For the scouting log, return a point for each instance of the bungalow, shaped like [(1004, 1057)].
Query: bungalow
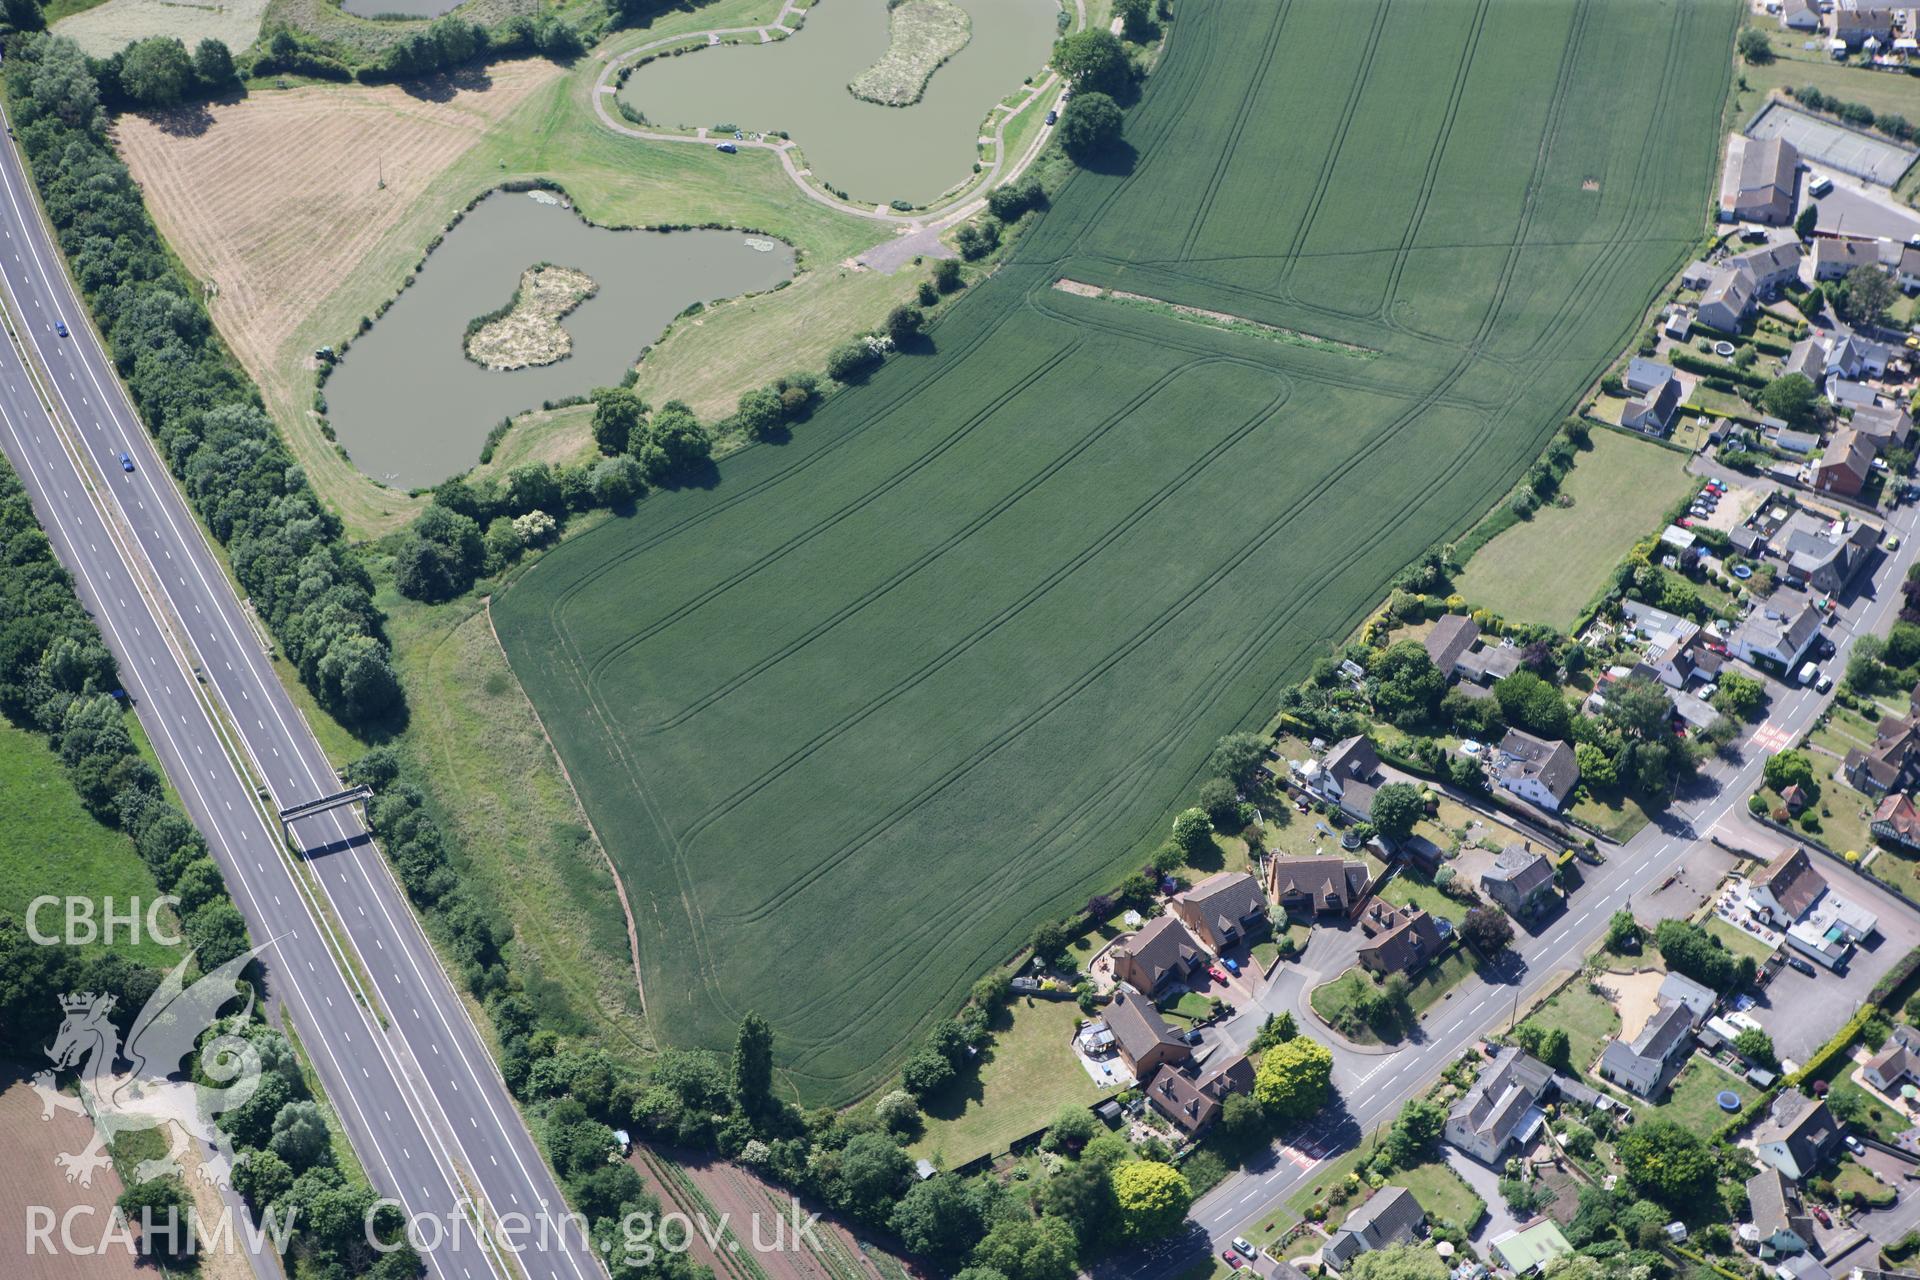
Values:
[(1521, 881), (1159, 955), (1847, 464), (1525, 1250), (1758, 181), (1223, 911), (1347, 776), (1780, 631), (1143, 1039), (1488, 666), (1502, 1107), (1798, 1135), (1390, 1216), (1897, 822), (1536, 770), (1848, 394), (1892, 1067), (1317, 886), (1645, 375), (1401, 939), (1889, 425), (1779, 1221), (1192, 1098)]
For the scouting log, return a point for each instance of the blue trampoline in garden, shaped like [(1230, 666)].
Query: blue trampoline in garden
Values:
[(1728, 1100)]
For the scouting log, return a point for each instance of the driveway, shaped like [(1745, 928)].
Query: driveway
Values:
[(1851, 209), (1486, 1184)]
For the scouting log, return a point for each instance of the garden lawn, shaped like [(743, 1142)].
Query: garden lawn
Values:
[(1030, 1076), (1546, 569), (1855, 1180), (1442, 1193), (1431, 984), (1620, 816), (1898, 868), (1586, 1017), (858, 714), (1333, 1000), (1738, 940), (1691, 1096), (50, 844), (1411, 890)]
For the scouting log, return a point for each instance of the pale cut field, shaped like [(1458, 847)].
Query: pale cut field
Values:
[(29, 1178), (278, 198), (106, 29)]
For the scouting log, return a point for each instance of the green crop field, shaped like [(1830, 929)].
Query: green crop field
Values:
[(856, 717)]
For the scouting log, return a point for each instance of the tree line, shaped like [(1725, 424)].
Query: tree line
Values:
[(286, 548)]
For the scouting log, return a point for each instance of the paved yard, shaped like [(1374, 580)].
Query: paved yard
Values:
[(1801, 1013), (1687, 890)]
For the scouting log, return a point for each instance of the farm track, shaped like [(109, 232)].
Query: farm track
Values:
[(1369, 466)]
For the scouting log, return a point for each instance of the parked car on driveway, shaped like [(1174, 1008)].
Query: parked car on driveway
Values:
[(1856, 1146), (1215, 972), (1240, 1243), (1231, 1258), (1233, 967)]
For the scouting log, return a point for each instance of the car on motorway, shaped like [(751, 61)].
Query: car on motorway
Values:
[(126, 462), (60, 327)]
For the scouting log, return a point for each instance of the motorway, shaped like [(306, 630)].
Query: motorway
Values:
[(401, 1061), (1372, 1089)]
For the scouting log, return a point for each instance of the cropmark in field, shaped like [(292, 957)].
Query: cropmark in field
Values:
[(856, 718)]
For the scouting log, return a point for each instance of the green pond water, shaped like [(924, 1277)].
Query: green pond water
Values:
[(412, 409), (799, 84)]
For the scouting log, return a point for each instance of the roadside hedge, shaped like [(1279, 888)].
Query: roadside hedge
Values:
[(286, 548)]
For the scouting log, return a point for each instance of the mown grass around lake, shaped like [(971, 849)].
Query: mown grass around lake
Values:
[(1546, 569)]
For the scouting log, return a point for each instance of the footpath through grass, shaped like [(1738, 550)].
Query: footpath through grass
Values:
[(1547, 568), (856, 717)]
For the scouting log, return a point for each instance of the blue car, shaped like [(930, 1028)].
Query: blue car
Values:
[(727, 147), (1053, 117), (60, 327), (1233, 967), (126, 463)]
